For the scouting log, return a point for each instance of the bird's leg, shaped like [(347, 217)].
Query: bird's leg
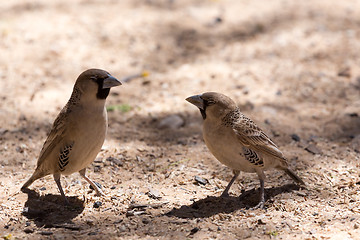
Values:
[(97, 189), (57, 180), (262, 191), (226, 191), (262, 196)]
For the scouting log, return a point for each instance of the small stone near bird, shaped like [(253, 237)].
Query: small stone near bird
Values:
[(194, 230), (313, 149), (295, 137), (172, 122), (201, 180), (97, 204), (115, 161), (153, 193)]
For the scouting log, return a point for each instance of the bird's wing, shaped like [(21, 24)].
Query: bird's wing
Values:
[(252, 137), (253, 157), (55, 136)]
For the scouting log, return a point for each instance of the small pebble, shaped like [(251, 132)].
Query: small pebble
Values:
[(295, 137), (301, 194), (115, 161), (201, 180), (118, 221), (275, 133), (172, 121), (97, 168), (122, 228), (260, 222), (313, 149), (90, 222), (97, 204), (353, 114), (153, 193), (3, 131), (28, 230), (194, 230), (218, 20), (145, 220), (134, 213), (345, 72)]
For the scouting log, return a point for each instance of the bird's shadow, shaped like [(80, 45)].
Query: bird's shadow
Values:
[(212, 205), (50, 210)]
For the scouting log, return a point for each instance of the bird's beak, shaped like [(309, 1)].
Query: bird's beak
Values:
[(197, 101), (110, 82)]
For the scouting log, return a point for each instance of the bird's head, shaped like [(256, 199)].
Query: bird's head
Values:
[(95, 84), (212, 104)]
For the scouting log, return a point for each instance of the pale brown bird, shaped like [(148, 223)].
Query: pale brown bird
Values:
[(236, 141), (78, 132)]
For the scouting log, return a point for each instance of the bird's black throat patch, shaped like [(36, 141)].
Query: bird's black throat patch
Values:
[(102, 93), (206, 103), (203, 113)]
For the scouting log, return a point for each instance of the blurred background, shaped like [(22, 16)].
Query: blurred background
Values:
[(292, 66), (301, 54)]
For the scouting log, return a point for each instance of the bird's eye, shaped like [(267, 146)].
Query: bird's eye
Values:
[(209, 102)]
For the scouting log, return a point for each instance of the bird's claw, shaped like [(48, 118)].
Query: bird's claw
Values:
[(260, 205), (100, 193)]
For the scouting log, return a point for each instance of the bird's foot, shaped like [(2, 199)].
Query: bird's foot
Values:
[(99, 193), (260, 205), (97, 187)]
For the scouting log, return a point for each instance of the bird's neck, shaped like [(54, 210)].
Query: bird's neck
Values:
[(95, 105), (86, 103)]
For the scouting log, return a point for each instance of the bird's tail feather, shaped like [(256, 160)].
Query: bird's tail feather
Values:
[(295, 177)]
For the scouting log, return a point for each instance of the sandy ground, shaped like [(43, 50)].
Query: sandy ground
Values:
[(293, 67)]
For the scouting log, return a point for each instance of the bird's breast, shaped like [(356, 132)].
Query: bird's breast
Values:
[(224, 145), (88, 135)]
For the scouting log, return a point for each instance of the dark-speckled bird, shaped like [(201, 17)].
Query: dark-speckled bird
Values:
[(236, 141), (78, 132)]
